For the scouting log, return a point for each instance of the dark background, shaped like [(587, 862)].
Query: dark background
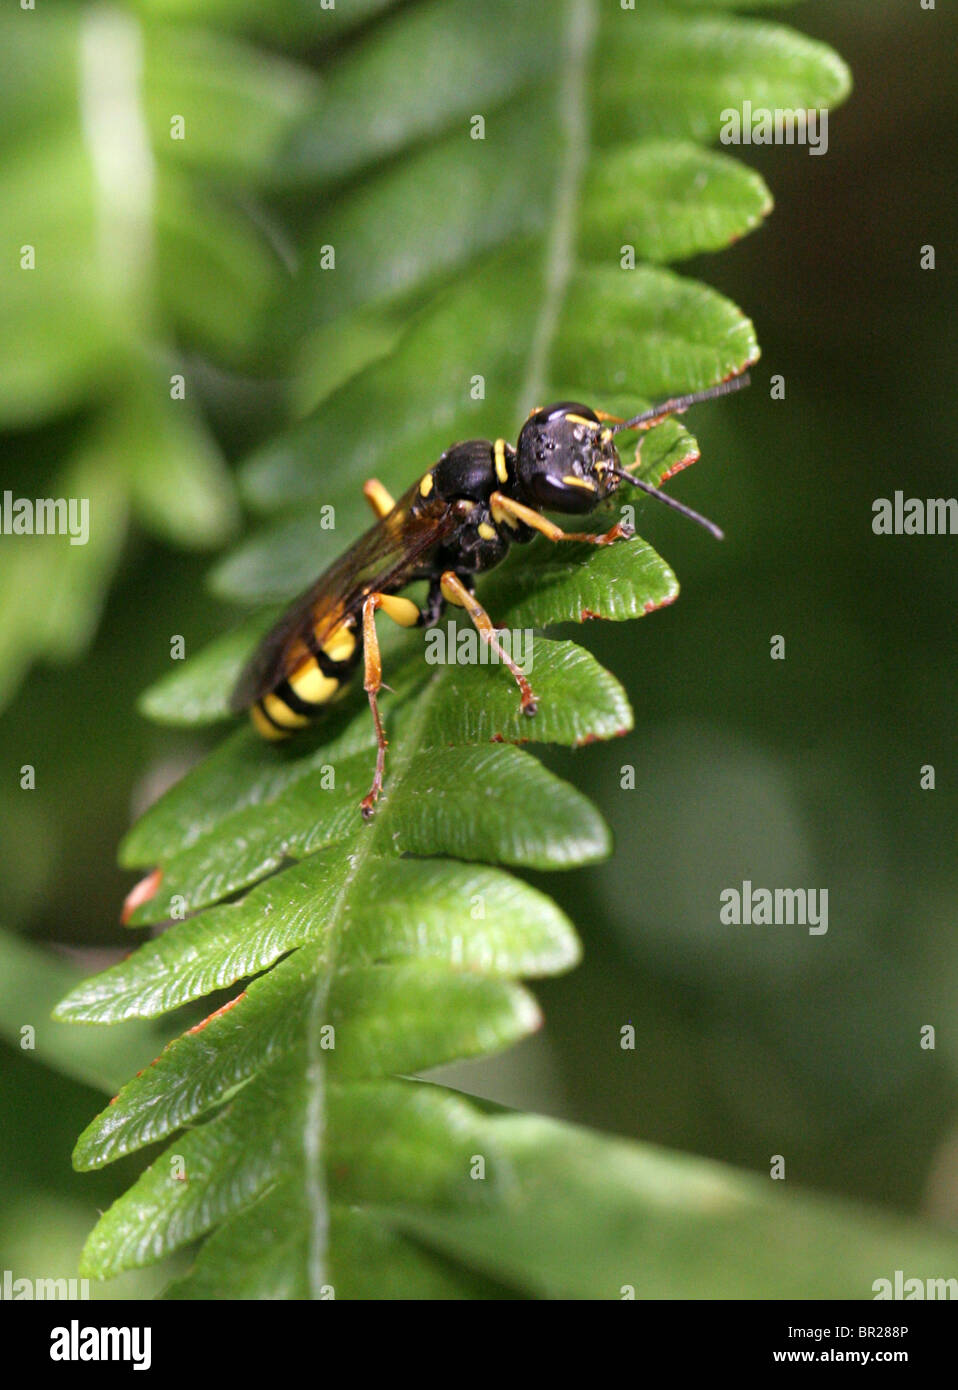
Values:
[(802, 772)]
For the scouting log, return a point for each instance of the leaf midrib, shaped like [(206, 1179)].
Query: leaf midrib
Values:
[(317, 1203), (572, 110), (581, 27)]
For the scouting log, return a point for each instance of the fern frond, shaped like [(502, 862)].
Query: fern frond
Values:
[(475, 278)]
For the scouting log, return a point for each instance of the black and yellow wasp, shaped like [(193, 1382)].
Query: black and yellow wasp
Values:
[(456, 521)]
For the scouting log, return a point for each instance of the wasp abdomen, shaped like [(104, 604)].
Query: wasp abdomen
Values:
[(318, 679)]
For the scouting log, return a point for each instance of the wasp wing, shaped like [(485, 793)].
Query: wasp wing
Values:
[(385, 558)]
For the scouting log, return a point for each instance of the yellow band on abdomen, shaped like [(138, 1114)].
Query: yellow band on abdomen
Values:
[(312, 686), (262, 725)]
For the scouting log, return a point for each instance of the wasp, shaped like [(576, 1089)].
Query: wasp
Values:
[(456, 521)]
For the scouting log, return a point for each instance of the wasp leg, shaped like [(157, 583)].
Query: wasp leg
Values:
[(372, 683), (404, 612), (454, 591), (506, 509), (637, 461), (378, 498), (606, 418), (433, 606)]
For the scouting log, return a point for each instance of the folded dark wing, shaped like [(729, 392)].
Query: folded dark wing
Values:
[(384, 558)]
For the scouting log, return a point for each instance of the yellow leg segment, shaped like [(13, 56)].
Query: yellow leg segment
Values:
[(454, 591), (506, 509), (372, 684), (378, 498), (404, 612)]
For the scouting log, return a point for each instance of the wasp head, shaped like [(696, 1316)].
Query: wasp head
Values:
[(566, 461)]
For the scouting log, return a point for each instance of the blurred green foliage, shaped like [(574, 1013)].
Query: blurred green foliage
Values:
[(803, 772)]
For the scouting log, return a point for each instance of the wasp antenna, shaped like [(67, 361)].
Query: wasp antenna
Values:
[(671, 502), (678, 404)]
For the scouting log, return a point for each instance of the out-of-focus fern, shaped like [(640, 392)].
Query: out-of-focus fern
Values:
[(133, 150), (474, 278)]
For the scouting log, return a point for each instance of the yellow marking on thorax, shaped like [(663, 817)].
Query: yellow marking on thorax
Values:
[(425, 487), (487, 532), (341, 645), (581, 420), (262, 725), (573, 481), (402, 610), (311, 685), (502, 469)]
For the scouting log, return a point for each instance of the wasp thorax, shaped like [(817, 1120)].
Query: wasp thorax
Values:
[(565, 459)]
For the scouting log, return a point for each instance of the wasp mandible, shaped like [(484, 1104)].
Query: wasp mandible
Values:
[(458, 520)]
